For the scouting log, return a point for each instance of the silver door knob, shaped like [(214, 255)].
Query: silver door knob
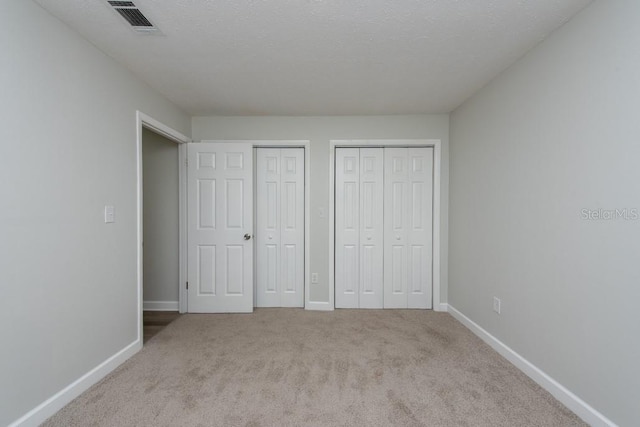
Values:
[(247, 236)]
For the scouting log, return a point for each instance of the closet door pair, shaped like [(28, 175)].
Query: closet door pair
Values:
[(383, 226), (280, 227)]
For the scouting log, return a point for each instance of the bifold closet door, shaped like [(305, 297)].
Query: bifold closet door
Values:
[(359, 227), (280, 227), (408, 186)]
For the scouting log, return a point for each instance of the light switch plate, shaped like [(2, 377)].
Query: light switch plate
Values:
[(314, 277), (109, 214)]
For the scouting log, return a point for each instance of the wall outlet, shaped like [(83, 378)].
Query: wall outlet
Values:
[(314, 277), (496, 304)]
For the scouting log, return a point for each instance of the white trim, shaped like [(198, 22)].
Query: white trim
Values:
[(160, 305), (273, 143), (319, 306), (46, 409), (307, 225), (156, 126), (254, 225), (560, 392), (143, 120), (437, 167), (444, 307), (183, 293), (288, 143), (437, 159), (332, 217)]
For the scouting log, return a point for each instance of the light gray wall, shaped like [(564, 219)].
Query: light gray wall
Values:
[(320, 130), (557, 133), (160, 213), (68, 147)]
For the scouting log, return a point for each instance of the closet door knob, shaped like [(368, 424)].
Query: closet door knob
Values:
[(247, 236)]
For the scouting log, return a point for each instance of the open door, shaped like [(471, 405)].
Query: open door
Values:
[(220, 221)]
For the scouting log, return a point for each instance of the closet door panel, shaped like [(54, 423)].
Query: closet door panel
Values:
[(371, 227), (268, 278), (292, 226), (420, 229), (396, 219), (347, 227)]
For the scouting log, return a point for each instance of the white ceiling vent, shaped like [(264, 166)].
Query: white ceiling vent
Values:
[(130, 12)]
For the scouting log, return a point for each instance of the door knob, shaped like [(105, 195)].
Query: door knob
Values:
[(247, 236)]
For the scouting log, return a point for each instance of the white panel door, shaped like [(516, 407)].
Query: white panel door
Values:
[(359, 227), (220, 211), (408, 227), (268, 227), (347, 227), (371, 227), (280, 227), (420, 228), (395, 227)]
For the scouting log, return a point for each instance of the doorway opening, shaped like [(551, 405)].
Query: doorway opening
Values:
[(160, 235), (161, 225)]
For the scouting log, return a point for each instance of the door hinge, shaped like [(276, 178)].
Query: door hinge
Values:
[(186, 162), (187, 285)]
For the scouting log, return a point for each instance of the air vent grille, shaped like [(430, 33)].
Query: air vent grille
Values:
[(133, 15), (122, 4)]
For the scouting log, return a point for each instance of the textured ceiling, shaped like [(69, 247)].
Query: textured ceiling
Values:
[(319, 57)]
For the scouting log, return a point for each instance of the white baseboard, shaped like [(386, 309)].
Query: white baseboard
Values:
[(40, 413), (441, 307), (160, 305), (325, 306), (318, 306), (570, 400)]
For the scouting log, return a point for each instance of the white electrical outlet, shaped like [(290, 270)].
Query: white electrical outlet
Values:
[(496, 305), (314, 277)]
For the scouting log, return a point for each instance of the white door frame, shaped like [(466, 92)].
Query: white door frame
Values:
[(145, 121), (437, 145), (306, 144)]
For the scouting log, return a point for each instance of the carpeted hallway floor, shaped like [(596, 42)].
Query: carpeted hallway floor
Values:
[(290, 367)]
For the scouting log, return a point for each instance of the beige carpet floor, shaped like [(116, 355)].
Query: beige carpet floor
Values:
[(290, 367)]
